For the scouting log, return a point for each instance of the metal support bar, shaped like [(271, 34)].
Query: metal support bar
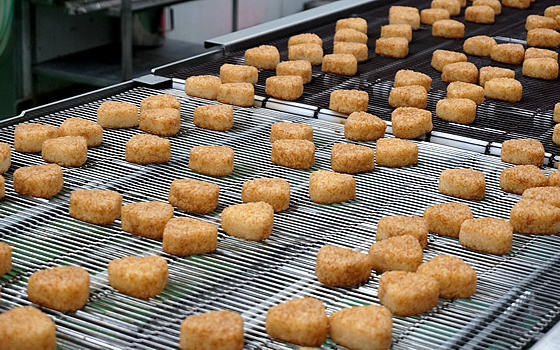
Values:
[(126, 40)]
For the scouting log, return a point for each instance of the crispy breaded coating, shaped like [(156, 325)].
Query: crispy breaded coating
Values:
[(480, 14), (456, 110), (342, 64), (394, 152), (404, 15), (293, 153), (503, 89), (488, 235), (90, 130), (311, 52), (407, 293), (362, 126), (523, 152), (5, 258), (29, 137), (536, 21), (160, 101), (518, 4), (160, 121), (113, 115), (203, 86), (508, 53), (399, 253), (145, 149), (535, 217), (533, 52), (352, 159), (212, 160), (459, 89), (521, 177), (262, 57), (250, 221), (146, 219), (445, 219), (196, 196), (140, 277), (348, 101), (65, 151), (431, 15), (355, 23), (298, 67), (350, 35), (411, 122), (292, 131), (556, 134), (448, 28), (541, 68), (397, 30), (462, 183), (359, 50), (5, 157), (496, 5), (238, 73), (460, 71), (306, 38), (556, 113), (214, 117), (275, 192), (405, 77), (489, 73), (238, 94), (285, 87), (409, 96), (26, 327), (187, 236), (95, 206), (327, 187), (452, 6), (43, 181), (548, 194), (392, 226), (340, 267), (396, 47), (442, 57), (456, 278), (480, 45), (214, 330)]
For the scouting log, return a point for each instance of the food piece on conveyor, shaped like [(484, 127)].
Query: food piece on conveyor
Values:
[(463, 3), (5, 157), (503, 89), (285, 87), (397, 30), (395, 152), (445, 219), (214, 117), (456, 110), (341, 63), (90, 130), (362, 126), (480, 14), (355, 23), (146, 219), (496, 5), (212, 160), (2, 187), (432, 15), (140, 277), (522, 152), (203, 86), (362, 327), (536, 21), (186, 236), (392, 47), (29, 137), (552, 11), (352, 159), (114, 115), (348, 35), (293, 153), (359, 50), (65, 151), (42, 181), (508, 53), (95, 206), (308, 51), (400, 225), (452, 6), (488, 73), (405, 77), (480, 45), (238, 94), (556, 113), (328, 187), (459, 89), (462, 183), (456, 278), (291, 131), (548, 194), (145, 149), (541, 68), (490, 235), (442, 57), (160, 101), (250, 221), (533, 52), (518, 4), (535, 217), (238, 73), (448, 28), (160, 121), (556, 134), (554, 178), (399, 253), (214, 330), (195, 196), (5, 258), (27, 328), (411, 122), (460, 71), (341, 267), (521, 177), (404, 15), (274, 191), (262, 57), (348, 101), (543, 37), (305, 38), (63, 288), (298, 67), (407, 293), (301, 321), (409, 96)]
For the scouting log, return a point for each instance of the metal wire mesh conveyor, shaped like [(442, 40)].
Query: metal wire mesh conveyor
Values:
[(517, 295)]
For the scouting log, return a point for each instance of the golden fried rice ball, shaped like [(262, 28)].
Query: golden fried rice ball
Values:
[(480, 45), (65, 151), (405, 77), (95, 206), (90, 130), (536, 217), (459, 89), (556, 134), (392, 226), (298, 67), (63, 288), (285, 87), (407, 293), (292, 131), (452, 6), (113, 115), (480, 14), (456, 110), (411, 122), (160, 121), (203, 86), (140, 277), (250, 221), (327, 187), (519, 4), (146, 219), (394, 152), (186, 236), (341, 63), (352, 159), (536, 21), (262, 57), (552, 11), (399, 253), (488, 235), (521, 177), (431, 15), (541, 68), (456, 278), (496, 5), (307, 51), (556, 113), (5, 258), (462, 183), (397, 30), (160, 101), (355, 23), (392, 47), (533, 52), (508, 53), (340, 267), (5, 157), (445, 219), (42, 181), (306, 38), (362, 327), (144, 149), (238, 73), (350, 36), (489, 73), (275, 192), (29, 137), (504, 89), (214, 330), (348, 101), (448, 28), (554, 179), (293, 153), (301, 321), (362, 126), (195, 196), (237, 94), (404, 15), (543, 37), (440, 58), (212, 160), (548, 194), (25, 328), (214, 117), (523, 152), (360, 51), (409, 96)]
